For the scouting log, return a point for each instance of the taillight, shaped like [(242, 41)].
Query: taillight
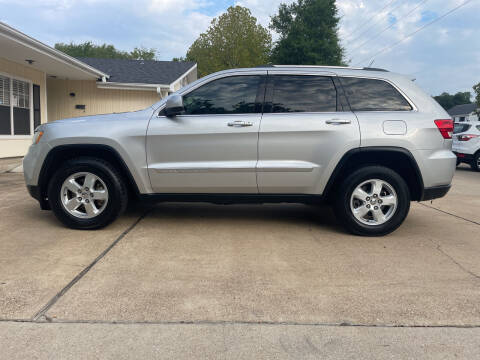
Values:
[(446, 127), (466, 137)]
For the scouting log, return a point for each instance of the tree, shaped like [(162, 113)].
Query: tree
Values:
[(477, 98), (448, 101), (105, 51), (234, 39), (308, 32)]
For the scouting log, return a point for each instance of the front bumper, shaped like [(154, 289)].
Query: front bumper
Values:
[(435, 192), (35, 192)]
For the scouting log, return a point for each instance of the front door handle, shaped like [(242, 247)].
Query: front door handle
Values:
[(240, 123), (338, 121)]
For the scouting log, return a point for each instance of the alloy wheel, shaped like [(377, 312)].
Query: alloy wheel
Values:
[(84, 195), (373, 202)]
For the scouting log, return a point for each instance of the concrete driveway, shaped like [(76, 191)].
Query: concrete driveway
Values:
[(240, 281)]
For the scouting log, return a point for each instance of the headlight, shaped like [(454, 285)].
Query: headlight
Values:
[(37, 136)]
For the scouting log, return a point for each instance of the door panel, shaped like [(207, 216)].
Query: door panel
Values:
[(213, 147), (202, 154), (298, 150)]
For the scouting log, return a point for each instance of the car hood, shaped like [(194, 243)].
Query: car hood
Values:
[(105, 117)]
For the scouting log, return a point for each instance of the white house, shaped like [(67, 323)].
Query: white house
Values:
[(39, 83), (465, 112)]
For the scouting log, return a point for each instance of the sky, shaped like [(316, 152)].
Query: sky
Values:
[(443, 56)]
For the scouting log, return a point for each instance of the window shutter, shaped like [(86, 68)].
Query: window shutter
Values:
[(36, 106)]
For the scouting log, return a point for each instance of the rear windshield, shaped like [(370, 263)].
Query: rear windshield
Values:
[(459, 128), (373, 95)]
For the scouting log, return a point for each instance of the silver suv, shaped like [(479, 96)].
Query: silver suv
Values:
[(368, 141)]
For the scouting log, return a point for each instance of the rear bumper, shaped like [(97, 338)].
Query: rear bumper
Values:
[(463, 156), (435, 192)]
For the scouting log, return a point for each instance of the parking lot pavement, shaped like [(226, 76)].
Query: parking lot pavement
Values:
[(272, 281)]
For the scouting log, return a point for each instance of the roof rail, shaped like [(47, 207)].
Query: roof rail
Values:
[(374, 69), (328, 67)]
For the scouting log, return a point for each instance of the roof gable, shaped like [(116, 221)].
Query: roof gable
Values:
[(463, 109), (140, 71)]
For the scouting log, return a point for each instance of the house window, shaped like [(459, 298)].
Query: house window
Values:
[(461, 119), (15, 106)]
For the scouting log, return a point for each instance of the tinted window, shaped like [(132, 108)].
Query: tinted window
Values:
[(231, 95), (459, 128), (300, 93), (373, 95)]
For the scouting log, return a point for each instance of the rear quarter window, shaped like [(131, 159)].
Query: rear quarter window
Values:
[(373, 95), (459, 128)]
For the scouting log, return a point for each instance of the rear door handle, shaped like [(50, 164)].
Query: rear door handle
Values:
[(338, 121), (240, 123)]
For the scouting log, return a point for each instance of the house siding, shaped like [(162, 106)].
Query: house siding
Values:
[(97, 101), (18, 146)]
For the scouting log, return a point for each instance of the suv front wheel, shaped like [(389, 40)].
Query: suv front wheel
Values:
[(372, 201), (87, 193)]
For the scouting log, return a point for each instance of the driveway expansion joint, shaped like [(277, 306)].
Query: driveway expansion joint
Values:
[(448, 213), (40, 315), (47, 320)]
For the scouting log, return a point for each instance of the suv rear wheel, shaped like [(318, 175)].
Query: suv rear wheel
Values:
[(372, 201), (87, 193)]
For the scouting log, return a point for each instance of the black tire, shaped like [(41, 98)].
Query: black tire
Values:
[(458, 161), (475, 164), (342, 201), (117, 192)]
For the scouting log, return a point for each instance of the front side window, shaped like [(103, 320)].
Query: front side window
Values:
[(303, 93), (373, 95), (230, 95), (14, 101)]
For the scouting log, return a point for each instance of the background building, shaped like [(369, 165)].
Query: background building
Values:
[(39, 83)]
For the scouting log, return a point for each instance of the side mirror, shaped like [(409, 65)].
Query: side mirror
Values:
[(174, 105)]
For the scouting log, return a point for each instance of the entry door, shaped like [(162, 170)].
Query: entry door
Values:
[(306, 128), (212, 147)]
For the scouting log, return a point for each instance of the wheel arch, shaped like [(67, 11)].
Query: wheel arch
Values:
[(398, 159), (62, 153)]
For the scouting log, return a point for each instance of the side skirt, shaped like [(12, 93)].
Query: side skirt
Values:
[(234, 198)]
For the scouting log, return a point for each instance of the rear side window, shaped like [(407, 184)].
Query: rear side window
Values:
[(229, 95), (459, 128), (373, 95), (302, 93)]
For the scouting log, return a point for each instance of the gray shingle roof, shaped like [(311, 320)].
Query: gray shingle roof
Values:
[(462, 109), (140, 71)]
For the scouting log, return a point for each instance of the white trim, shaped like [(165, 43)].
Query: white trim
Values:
[(30, 100), (11, 107), (131, 86), (46, 106), (16, 137), (186, 73), (31, 43), (30, 103)]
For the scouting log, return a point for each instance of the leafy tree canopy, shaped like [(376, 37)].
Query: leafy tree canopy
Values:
[(105, 51), (234, 39), (476, 88), (308, 32), (448, 101)]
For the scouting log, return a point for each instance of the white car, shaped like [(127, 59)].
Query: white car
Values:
[(466, 143)]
